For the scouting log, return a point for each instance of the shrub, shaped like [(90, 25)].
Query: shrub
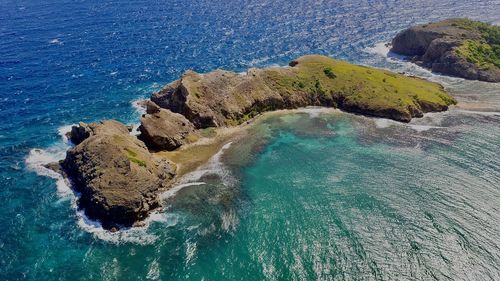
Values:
[(329, 73), (480, 53)]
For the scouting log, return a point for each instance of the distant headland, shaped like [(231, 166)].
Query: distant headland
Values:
[(120, 175), (457, 47)]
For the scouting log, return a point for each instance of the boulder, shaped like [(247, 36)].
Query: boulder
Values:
[(83, 130), (118, 178), (163, 129), (79, 133)]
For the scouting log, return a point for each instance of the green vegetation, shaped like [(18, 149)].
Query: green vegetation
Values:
[(132, 156), (480, 53), (484, 52), (367, 87), (329, 73), (489, 33), (313, 80)]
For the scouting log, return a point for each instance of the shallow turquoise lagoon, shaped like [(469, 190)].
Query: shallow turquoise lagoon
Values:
[(313, 195)]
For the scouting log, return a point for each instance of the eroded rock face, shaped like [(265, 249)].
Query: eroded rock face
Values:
[(83, 130), (162, 129), (119, 180), (210, 100), (222, 98), (435, 46), (79, 133)]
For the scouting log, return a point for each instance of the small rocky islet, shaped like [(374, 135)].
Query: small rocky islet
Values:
[(457, 47), (120, 175)]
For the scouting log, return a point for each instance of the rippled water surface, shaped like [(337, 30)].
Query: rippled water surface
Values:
[(313, 195)]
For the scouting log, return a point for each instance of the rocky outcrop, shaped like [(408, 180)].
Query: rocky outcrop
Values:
[(216, 98), (222, 98), (79, 133), (117, 177), (83, 130), (449, 47), (162, 129)]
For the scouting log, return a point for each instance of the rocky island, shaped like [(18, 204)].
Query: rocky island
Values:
[(120, 176), (457, 47)]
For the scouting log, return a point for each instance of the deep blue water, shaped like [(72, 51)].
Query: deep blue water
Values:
[(67, 61)]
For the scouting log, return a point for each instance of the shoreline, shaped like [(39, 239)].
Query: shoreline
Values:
[(188, 157), (211, 145), (191, 119)]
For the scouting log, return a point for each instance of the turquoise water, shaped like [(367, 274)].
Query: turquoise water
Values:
[(343, 204), (319, 196), (305, 196), (314, 196)]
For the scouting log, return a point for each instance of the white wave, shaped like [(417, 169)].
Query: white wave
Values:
[(484, 113), (55, 41), (154, 271), (275, 65), (382, 123), (137, 235), (423, 128), (190, 251), (213, 166), (63, 131), (36, 161), (230, 220), (381, 49), (259, 61), (172, 191), (316, 111), (135, 129), (140, 109), (38, 158), (429, 121), (402, 64)]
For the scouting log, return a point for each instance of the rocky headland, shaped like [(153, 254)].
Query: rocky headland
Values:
[(457, 47), (117, 177), (120, 176)]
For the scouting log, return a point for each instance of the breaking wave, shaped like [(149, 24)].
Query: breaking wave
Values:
[(38, 159)]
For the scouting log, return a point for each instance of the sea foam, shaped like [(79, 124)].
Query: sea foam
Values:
[(136, 235), (140, 110), (38, 158)]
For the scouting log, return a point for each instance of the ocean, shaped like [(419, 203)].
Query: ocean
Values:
[(310, 195)]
